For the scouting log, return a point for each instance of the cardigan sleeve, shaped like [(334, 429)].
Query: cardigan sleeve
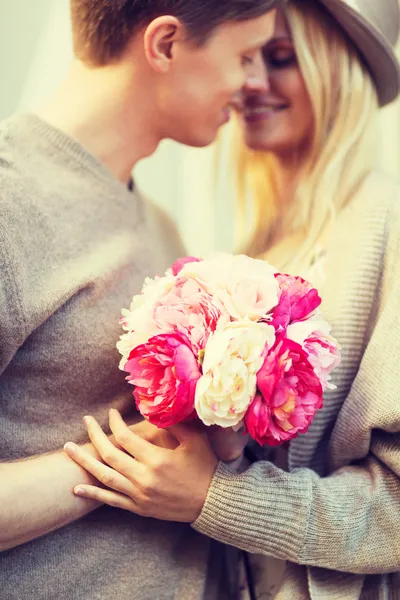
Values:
[(348, 521)]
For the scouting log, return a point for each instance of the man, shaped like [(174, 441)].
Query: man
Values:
[(75, 245)]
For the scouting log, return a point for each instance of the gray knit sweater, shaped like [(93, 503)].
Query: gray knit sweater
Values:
[(335, 516), (75, 246)]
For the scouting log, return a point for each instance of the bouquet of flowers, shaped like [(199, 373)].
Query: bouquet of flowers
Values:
[(232, 342)]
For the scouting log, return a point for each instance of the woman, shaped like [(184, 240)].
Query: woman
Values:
[(333, 512)]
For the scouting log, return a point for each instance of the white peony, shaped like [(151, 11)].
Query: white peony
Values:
[(232, 359)]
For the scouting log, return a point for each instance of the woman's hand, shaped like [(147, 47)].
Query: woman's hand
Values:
[(165, 483), (227, 444)]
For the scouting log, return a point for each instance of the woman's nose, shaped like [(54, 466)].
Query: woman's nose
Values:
[(257, 80)]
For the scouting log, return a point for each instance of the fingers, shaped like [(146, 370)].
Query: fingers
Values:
[(146, 430), (103, 473), (144, 451), (156, 436), (109, 497), (111, 455)]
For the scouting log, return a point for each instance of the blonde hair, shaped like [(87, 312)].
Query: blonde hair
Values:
[(344, 102)]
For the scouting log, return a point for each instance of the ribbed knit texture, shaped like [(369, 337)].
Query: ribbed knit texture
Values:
[(75, 246), (335, 516)]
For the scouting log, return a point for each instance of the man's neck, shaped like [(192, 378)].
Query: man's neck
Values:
[(100, 109)]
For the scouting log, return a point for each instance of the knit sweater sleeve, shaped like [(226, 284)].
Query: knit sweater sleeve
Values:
[(349, 520)]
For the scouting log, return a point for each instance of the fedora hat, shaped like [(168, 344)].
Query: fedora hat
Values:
[(373, 26)]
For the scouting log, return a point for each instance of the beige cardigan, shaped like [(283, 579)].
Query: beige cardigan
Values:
[(335, 517)]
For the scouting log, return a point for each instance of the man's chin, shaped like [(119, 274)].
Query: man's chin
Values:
[(200, 140)]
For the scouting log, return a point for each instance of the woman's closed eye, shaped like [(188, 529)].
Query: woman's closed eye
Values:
[(279, 58)]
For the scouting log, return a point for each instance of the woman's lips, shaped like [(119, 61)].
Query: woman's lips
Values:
[(253, 114)]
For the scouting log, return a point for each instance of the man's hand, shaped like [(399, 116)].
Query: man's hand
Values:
[(164, 483)]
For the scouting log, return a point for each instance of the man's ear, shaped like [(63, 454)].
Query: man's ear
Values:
[(159, 39)]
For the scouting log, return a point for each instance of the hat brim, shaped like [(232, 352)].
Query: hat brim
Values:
[(378, 54)]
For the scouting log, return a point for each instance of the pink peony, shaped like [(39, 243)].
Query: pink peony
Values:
[(138, 321), (298, 301), (246, 286), (165, 373), (324, 355), (181, 262), (323, 350), (188, 309), (290, 394)]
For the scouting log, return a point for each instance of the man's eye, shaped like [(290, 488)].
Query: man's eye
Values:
[(247, 60)]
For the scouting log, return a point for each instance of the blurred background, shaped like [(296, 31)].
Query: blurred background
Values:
[(35, 52)]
